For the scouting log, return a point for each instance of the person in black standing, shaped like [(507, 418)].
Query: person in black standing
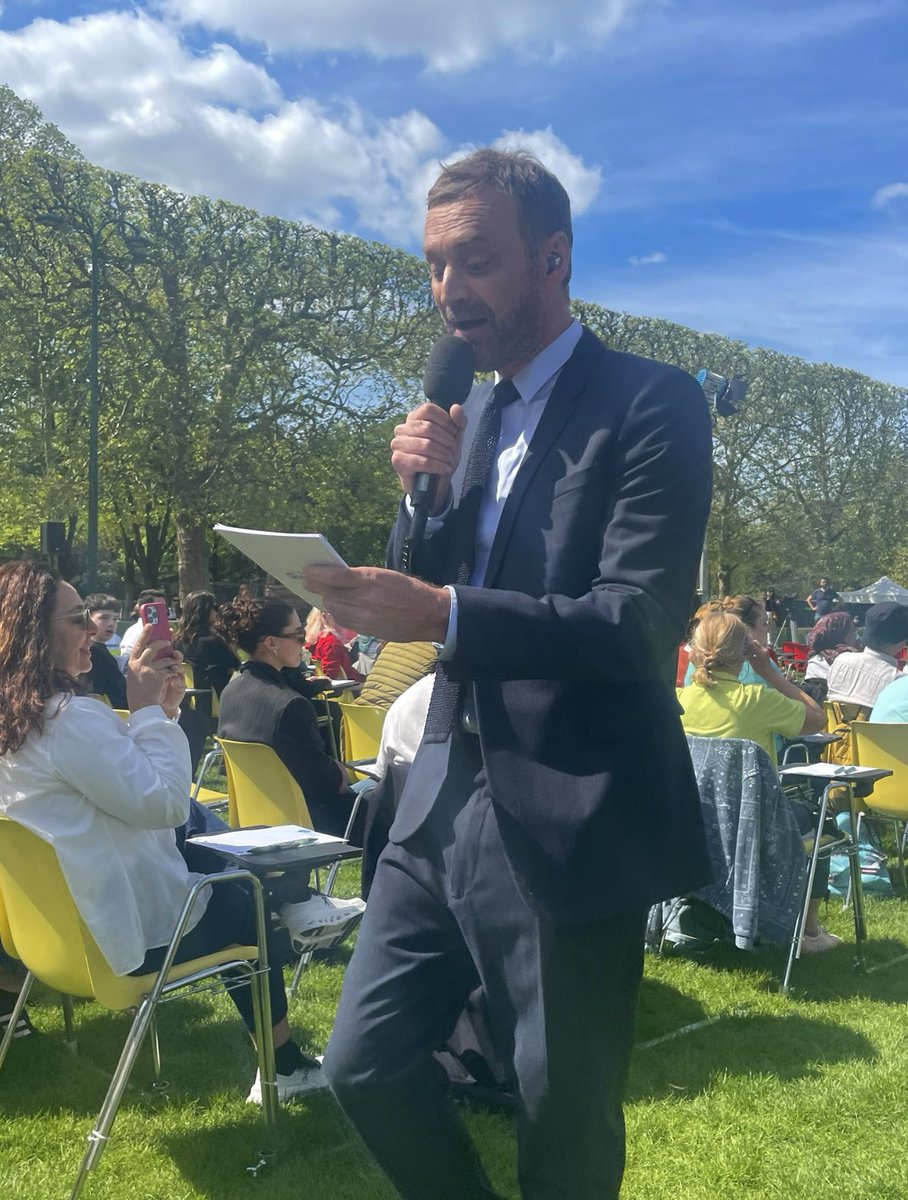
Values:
[(552, 799)]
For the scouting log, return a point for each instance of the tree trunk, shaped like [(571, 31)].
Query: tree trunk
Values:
[(192, 555)]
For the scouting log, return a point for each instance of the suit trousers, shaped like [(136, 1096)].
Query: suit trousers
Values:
[(443, 915)]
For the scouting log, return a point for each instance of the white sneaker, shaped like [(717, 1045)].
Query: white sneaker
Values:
[(321, 920), (818, 942), (304, 1079)]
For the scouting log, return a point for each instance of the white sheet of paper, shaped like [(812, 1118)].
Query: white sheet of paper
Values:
[(246, 841), (829, 771), (284, 555)]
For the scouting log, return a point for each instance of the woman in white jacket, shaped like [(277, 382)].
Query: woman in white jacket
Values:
[(109, 794)]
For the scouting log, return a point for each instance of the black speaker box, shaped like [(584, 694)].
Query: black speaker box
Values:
[(53, 537)]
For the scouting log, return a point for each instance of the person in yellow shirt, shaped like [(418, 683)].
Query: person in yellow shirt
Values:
[(717, 705)]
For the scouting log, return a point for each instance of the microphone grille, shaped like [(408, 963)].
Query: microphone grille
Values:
[(449, 371)]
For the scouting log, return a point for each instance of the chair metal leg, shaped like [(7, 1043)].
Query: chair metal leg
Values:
[(210, 757), (18, 1009), (99, 1136), (900, 846), (335, 866), (857, 890), (794, 951), (264, 1041)]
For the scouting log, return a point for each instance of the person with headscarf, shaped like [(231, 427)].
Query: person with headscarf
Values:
[(832, 635)]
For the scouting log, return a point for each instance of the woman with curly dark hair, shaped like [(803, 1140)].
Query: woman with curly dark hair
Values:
[(109, 794), (201, 643), (267, 702)]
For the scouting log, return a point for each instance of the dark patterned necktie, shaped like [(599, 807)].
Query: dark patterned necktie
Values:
[(446, 694)]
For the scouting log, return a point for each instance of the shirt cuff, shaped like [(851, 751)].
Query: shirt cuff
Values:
[(433, 524), (450, 643), (147, 716)]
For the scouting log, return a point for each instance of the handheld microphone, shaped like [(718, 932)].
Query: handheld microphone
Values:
[(447, 381)]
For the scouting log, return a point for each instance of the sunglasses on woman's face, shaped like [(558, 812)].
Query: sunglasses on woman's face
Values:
[(298, 634), (81, 617)]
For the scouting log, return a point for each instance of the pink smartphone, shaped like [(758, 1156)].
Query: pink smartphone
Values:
[(155, 613)]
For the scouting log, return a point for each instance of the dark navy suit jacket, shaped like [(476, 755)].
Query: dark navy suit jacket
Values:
[(570, 642)]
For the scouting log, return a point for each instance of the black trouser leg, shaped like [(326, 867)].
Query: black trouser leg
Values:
[(403, 991)]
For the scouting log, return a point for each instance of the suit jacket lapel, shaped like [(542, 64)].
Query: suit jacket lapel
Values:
[(558, 409)]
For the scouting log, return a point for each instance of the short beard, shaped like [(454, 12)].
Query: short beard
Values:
[(518, 331)]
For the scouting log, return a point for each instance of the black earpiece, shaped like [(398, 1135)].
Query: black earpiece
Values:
[(553, 260)]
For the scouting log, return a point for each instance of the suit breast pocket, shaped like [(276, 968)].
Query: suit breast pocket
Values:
[(576, 480)]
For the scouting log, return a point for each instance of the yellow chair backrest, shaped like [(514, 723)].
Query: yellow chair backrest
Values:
[(260, 789), (44, 923), (189, 677), (839, 718), (361, 730), (6, 933), (875, 744)]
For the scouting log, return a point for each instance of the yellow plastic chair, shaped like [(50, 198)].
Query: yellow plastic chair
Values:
[(261, 790), (877, 744), (361, 736), (43, 926)]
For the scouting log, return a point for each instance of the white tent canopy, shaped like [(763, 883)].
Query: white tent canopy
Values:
[(880, 592)]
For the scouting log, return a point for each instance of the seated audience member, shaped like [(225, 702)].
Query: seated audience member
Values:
[(108, 794), (398, 666), (104, 610), (401, 734), (831, 636), (753, 613), (105, 677), (859, 678), (262, 703), (717, 705), (200, 641), (324, 639), (892, 703), (131, 635)]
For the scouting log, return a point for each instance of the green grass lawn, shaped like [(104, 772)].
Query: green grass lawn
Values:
[(805, 1097)]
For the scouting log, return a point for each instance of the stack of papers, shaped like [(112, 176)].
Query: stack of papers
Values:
[(267, 841), (284, 555)]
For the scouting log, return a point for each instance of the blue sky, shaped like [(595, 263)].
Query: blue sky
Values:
[(738, 167)]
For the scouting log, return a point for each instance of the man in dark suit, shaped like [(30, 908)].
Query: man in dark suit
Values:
[(552, 799)]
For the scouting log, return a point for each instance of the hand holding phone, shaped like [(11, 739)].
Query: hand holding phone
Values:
[(155, 614)]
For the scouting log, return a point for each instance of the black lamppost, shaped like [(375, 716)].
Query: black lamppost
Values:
[(92, 232)]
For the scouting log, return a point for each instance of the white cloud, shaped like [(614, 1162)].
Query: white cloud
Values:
[(582, 183), (647, 260), (892, 191), (133, 97), (448, 38)]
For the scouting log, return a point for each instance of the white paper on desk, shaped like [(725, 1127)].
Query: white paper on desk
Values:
[(284, 555), (241, 841), (827, 771)]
